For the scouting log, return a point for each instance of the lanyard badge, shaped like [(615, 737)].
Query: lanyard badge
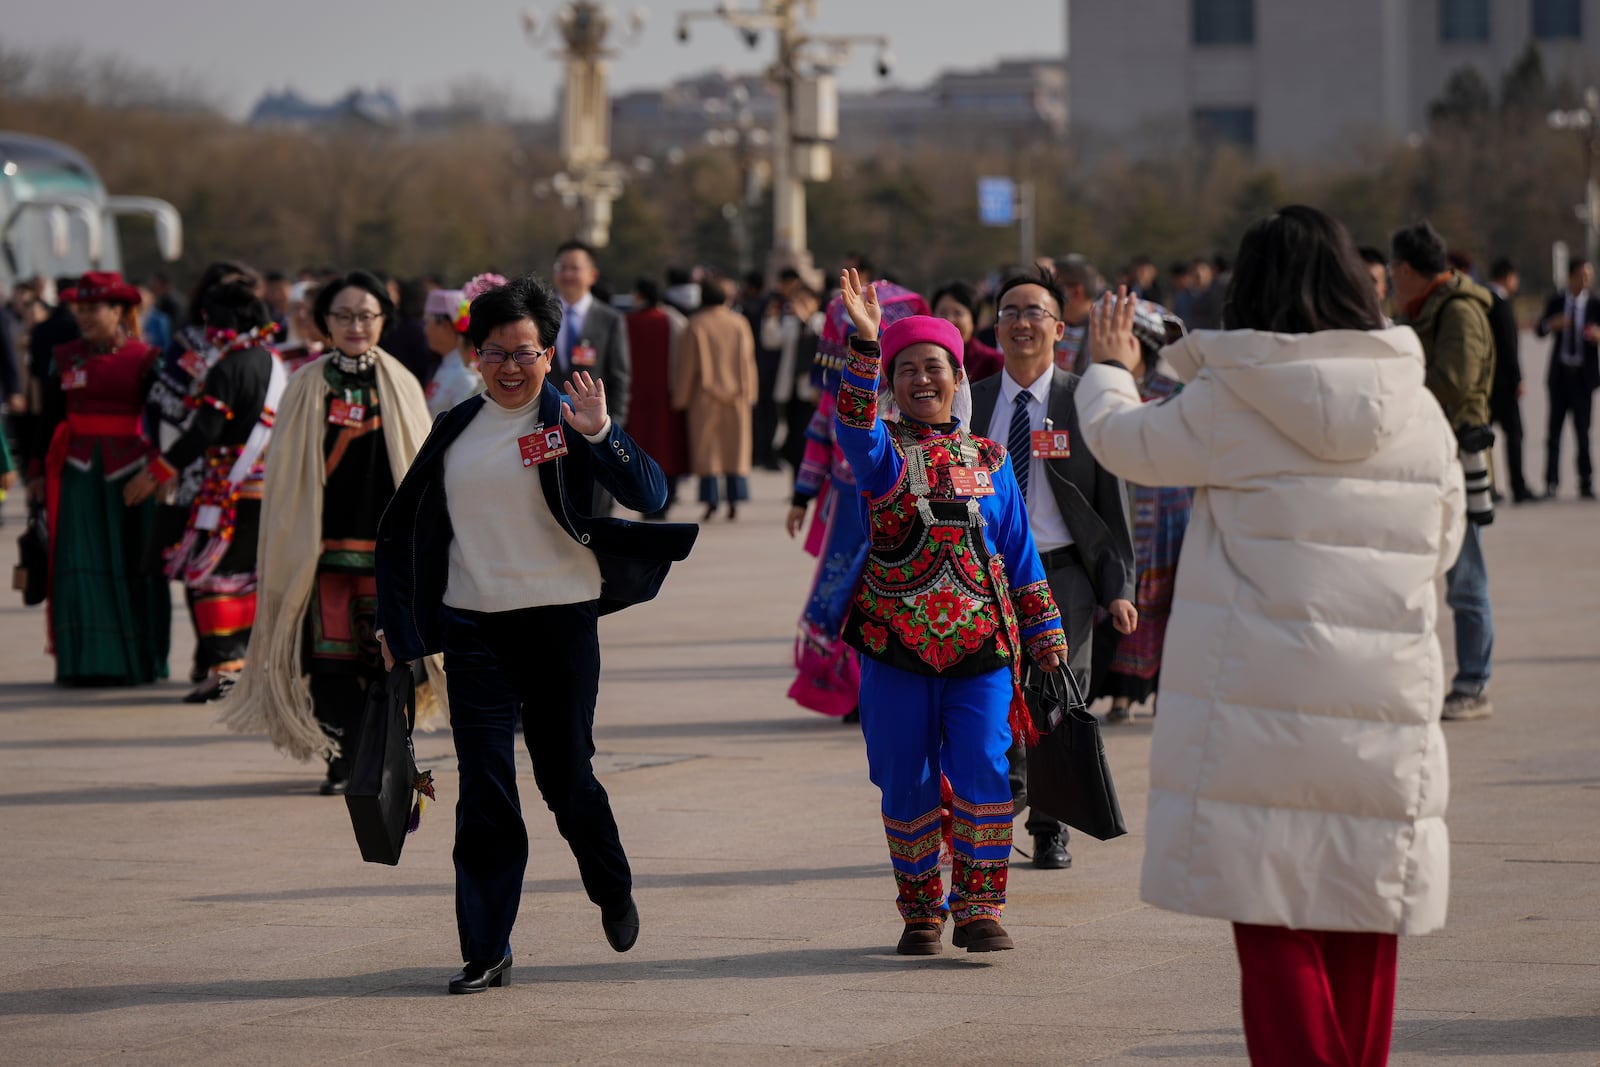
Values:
[(542, 446)]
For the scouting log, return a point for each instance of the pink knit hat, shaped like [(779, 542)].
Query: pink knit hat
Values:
[(919, 329)]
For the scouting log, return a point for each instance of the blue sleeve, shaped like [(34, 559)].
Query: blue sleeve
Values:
[(862, 436), (627, 472)]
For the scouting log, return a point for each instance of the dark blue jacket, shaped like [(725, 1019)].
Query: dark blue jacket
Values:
[(414, 535)]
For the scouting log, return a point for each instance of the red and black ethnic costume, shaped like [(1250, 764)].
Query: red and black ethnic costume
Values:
[(941, 627), (109, 618), (227, 435)]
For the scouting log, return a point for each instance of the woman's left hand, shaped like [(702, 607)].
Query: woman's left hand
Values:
[(587, 412), (1124, 616), (1111, 329), (1051, 662), (139, 488)]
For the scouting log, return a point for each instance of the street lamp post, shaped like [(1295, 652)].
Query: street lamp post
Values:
[(1586, 120), (807, 114), (746, 139), (591, 178)]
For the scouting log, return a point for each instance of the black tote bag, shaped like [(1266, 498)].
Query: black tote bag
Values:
[(1067, 772), (31, 577), (384, 771)]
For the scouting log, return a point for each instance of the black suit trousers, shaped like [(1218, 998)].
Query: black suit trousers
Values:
[(541, 665), (1569, 395), (1074, 596), (1506, 411)]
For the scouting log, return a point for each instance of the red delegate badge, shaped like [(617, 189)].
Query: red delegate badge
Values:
[(344, 413), (585, 354), (541, 446), (75, 378), (968, 482), (1051, 444), (193, 364)]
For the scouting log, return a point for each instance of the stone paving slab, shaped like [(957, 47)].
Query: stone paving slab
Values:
[(171, 893)]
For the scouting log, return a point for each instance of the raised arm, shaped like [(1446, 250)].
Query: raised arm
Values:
[(862, 436)]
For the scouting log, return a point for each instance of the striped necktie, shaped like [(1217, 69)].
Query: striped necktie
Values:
[(1018, 442)]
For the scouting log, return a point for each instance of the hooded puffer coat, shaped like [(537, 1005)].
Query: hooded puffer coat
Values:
[(1298, 775)]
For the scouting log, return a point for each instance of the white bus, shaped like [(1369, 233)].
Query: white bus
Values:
[(56, 218)]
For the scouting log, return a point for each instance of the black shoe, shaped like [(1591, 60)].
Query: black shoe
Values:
[(1523, 496), (1049, 854), (197, 673), (852, 716), (711, 510), (1551, 491), (338, 778), (215, 687), (733, 513), (1586, 493), (623, 930), (476, 976)]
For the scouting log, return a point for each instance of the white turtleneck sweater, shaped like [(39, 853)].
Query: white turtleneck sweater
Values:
[(509, 552)]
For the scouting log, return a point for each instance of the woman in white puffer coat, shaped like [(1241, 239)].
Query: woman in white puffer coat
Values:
[(1298, 775)]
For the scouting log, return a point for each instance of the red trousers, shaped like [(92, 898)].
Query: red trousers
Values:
[(1316, 998)]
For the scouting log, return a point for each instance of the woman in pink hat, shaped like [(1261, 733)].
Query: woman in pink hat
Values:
[(951, 597), (110, 621)]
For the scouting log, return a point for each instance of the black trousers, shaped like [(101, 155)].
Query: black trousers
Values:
[(1506, 411), (541, 665), (1074, 596), (764, 416), (1569, 395)]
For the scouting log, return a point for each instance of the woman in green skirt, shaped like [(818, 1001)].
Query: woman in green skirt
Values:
[(110, 622)]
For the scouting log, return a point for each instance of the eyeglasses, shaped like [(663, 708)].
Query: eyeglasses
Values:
[(1032, 313), (351, 318), (524, 357)]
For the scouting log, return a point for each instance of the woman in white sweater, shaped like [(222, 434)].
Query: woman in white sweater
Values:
[(1298, 776)]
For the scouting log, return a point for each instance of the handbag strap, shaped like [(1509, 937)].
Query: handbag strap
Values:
[(1061, 684)]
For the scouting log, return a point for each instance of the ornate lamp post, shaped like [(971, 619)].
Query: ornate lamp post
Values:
[(808, 108), (590, 177), (1586, 120)]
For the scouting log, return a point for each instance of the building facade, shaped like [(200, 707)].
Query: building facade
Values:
[(1299, 78)]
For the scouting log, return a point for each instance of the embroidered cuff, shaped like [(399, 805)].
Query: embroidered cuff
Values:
[(162, 471), (1039, 620), (858, 407), (212, 402)]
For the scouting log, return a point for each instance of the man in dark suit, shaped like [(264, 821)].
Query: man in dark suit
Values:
[(1076, 509), (1573, 318), (1505, 395), (593, 338)]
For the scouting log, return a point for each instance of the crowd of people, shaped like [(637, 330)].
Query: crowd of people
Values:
[(1154, 485)]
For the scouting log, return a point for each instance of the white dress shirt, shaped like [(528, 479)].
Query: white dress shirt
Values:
[(1044, 515), (573, 316)]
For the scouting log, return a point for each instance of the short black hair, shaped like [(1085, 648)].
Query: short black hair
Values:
[(863, 263), (1042, 278), (216, 271), (648, 292), (788, 274), (1576, 264), (1501, 267), (1074, 270), (678, 275), (755, 280), (1299, 272), (274, 276), (364, 280), (234, 306), (960, 292), (575, 245), (1421, 248), (1373, 256), (524, 297), (1459, 260)]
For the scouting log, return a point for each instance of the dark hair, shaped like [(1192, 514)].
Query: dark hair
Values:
[(1298, 272), (274, 276), (1179, 268), (788, 274), (648, 292), (1373, 256), (216, 271), (863, 263), (1042, 278), (1421, 248), (1072, 271), (364, 280), (755, 280), (679, 276), (413, 298), (960, 292), (576, 245), (1576, 264), (234, 306), (1501, 267), (525, 297), (1461, 261)]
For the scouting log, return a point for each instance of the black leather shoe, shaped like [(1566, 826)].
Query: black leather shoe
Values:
[(476, 976), (1049, 854), (622, 931), (338, 778)]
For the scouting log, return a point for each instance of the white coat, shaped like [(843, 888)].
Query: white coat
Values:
[(1297, 774)]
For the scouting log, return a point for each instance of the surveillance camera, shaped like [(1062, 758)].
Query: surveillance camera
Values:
[(751, 38), (683, 33), (885, 63)]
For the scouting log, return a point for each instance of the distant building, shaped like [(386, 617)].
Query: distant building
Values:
[(1298, 78), (289, 108)]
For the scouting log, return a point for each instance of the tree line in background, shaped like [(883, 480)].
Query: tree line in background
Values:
[(1490, 175)]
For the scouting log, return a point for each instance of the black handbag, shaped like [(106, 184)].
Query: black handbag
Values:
[(31, 576), (1067, 772), (383, 775)]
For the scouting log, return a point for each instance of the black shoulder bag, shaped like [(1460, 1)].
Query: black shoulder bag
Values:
[(1067, 772)]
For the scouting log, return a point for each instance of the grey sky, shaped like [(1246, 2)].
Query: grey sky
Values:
[(236, 50)]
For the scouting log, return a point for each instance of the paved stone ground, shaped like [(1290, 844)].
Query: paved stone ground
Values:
[(171, 893)]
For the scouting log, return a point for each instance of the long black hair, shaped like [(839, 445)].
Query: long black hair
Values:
[(1298, 271), (214, 273), (234, 306)]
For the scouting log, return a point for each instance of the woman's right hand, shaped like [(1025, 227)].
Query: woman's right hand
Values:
[(795, 520), (388, 657), (862, 304)]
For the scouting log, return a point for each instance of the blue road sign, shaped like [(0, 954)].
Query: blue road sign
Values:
[(997, 201)]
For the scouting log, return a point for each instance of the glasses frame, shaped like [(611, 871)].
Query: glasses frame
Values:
[(344, 318), (1025, 314), (515, 357)]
